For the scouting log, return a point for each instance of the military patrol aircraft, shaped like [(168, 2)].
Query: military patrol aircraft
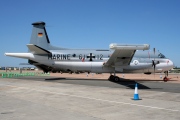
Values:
[(120, 58)]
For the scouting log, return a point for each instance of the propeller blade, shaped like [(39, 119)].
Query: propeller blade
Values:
[(154, 50), (154, 62)]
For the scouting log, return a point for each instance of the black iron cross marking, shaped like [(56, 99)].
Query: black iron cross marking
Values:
[(74, 55), (91, 56)]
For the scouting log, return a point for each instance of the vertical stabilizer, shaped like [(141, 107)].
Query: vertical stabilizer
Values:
[(39, 35)]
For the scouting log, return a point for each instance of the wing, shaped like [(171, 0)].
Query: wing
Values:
[(123, 54)]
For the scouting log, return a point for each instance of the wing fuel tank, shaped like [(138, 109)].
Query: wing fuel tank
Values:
[(129, 47)]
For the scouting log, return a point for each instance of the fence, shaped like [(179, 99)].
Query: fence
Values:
[(14, 74)]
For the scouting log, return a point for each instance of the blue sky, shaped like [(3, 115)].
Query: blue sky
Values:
[(91, 24)]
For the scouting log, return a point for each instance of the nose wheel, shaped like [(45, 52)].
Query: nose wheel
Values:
[(166, 78)]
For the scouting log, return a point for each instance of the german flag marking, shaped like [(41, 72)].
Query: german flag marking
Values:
[(40, 34)]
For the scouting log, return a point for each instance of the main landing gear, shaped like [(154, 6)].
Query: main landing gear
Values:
[(114, 78)]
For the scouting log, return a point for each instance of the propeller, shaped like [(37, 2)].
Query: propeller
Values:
[(154, 62)]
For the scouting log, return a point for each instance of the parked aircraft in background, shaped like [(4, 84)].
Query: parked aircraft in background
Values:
[(120, 58)]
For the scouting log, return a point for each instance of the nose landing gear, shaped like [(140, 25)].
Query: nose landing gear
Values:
[(166, 78)]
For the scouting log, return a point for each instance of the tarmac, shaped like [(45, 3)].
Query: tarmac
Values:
[(92, 97)]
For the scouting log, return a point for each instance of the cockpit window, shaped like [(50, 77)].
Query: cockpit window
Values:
[(161, 55)]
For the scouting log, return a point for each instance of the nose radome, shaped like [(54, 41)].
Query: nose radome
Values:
[(171, 63)]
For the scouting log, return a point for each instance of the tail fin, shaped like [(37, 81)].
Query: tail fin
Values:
[(39, 35)]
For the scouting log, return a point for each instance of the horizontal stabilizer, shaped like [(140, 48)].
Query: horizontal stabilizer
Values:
[(20, 55), (37, 50)]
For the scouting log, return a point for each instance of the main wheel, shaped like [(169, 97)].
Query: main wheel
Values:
[(116, 79), (111, 78)]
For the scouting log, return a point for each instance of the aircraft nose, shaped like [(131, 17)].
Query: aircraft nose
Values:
[(171, 64)]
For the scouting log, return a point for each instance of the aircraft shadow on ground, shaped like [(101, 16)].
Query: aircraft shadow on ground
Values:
[(124, 82), (130, 83), (55, 79)]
